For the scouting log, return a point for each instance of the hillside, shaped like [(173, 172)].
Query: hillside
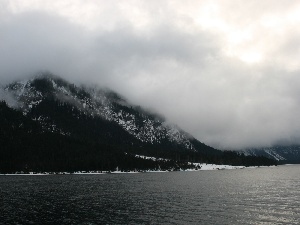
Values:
[(282, 154), (53, 125)]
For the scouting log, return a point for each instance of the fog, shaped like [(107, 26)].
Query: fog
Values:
[(226, 72)]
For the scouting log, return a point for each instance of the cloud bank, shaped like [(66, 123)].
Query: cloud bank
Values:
[(227, 72)]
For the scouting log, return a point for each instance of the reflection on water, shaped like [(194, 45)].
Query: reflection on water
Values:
[(248, 196)]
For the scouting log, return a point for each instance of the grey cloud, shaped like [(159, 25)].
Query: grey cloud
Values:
[(179, 74), (10, 100), (31, 42)]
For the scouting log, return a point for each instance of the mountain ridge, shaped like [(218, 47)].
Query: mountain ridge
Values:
[(99, 102), (98, 119), (282, 154)]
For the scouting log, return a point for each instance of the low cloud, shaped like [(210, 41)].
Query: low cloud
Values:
[(210, 83), (10, 100)]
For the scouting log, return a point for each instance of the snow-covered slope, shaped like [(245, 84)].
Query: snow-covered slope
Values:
[(48, 124), (96, 102), (288, 154)]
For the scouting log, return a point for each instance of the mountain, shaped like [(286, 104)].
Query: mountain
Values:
[(282, 154), (49, 124)]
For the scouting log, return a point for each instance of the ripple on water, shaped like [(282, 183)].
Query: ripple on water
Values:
[(249, 196)]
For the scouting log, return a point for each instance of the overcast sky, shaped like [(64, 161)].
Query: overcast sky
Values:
[(228, 71)]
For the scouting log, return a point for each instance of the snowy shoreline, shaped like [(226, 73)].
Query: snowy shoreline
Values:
[(203, 167)]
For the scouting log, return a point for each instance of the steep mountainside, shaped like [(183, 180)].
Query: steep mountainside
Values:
[(39, 97), (282, 154), (55, 125)]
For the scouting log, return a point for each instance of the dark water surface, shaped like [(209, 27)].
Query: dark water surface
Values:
[(244, 196)]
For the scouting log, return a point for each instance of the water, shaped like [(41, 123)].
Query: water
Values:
[(247, 196)]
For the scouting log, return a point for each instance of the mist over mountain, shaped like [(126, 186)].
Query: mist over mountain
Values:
[(51, 124), (230, 81), (283, 154)]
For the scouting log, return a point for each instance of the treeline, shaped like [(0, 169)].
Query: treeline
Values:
[(69, 140)]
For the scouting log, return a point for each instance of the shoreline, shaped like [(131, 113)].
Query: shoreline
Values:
[(203, 167)]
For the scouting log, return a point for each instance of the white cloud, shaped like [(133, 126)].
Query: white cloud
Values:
[(226, 71)]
